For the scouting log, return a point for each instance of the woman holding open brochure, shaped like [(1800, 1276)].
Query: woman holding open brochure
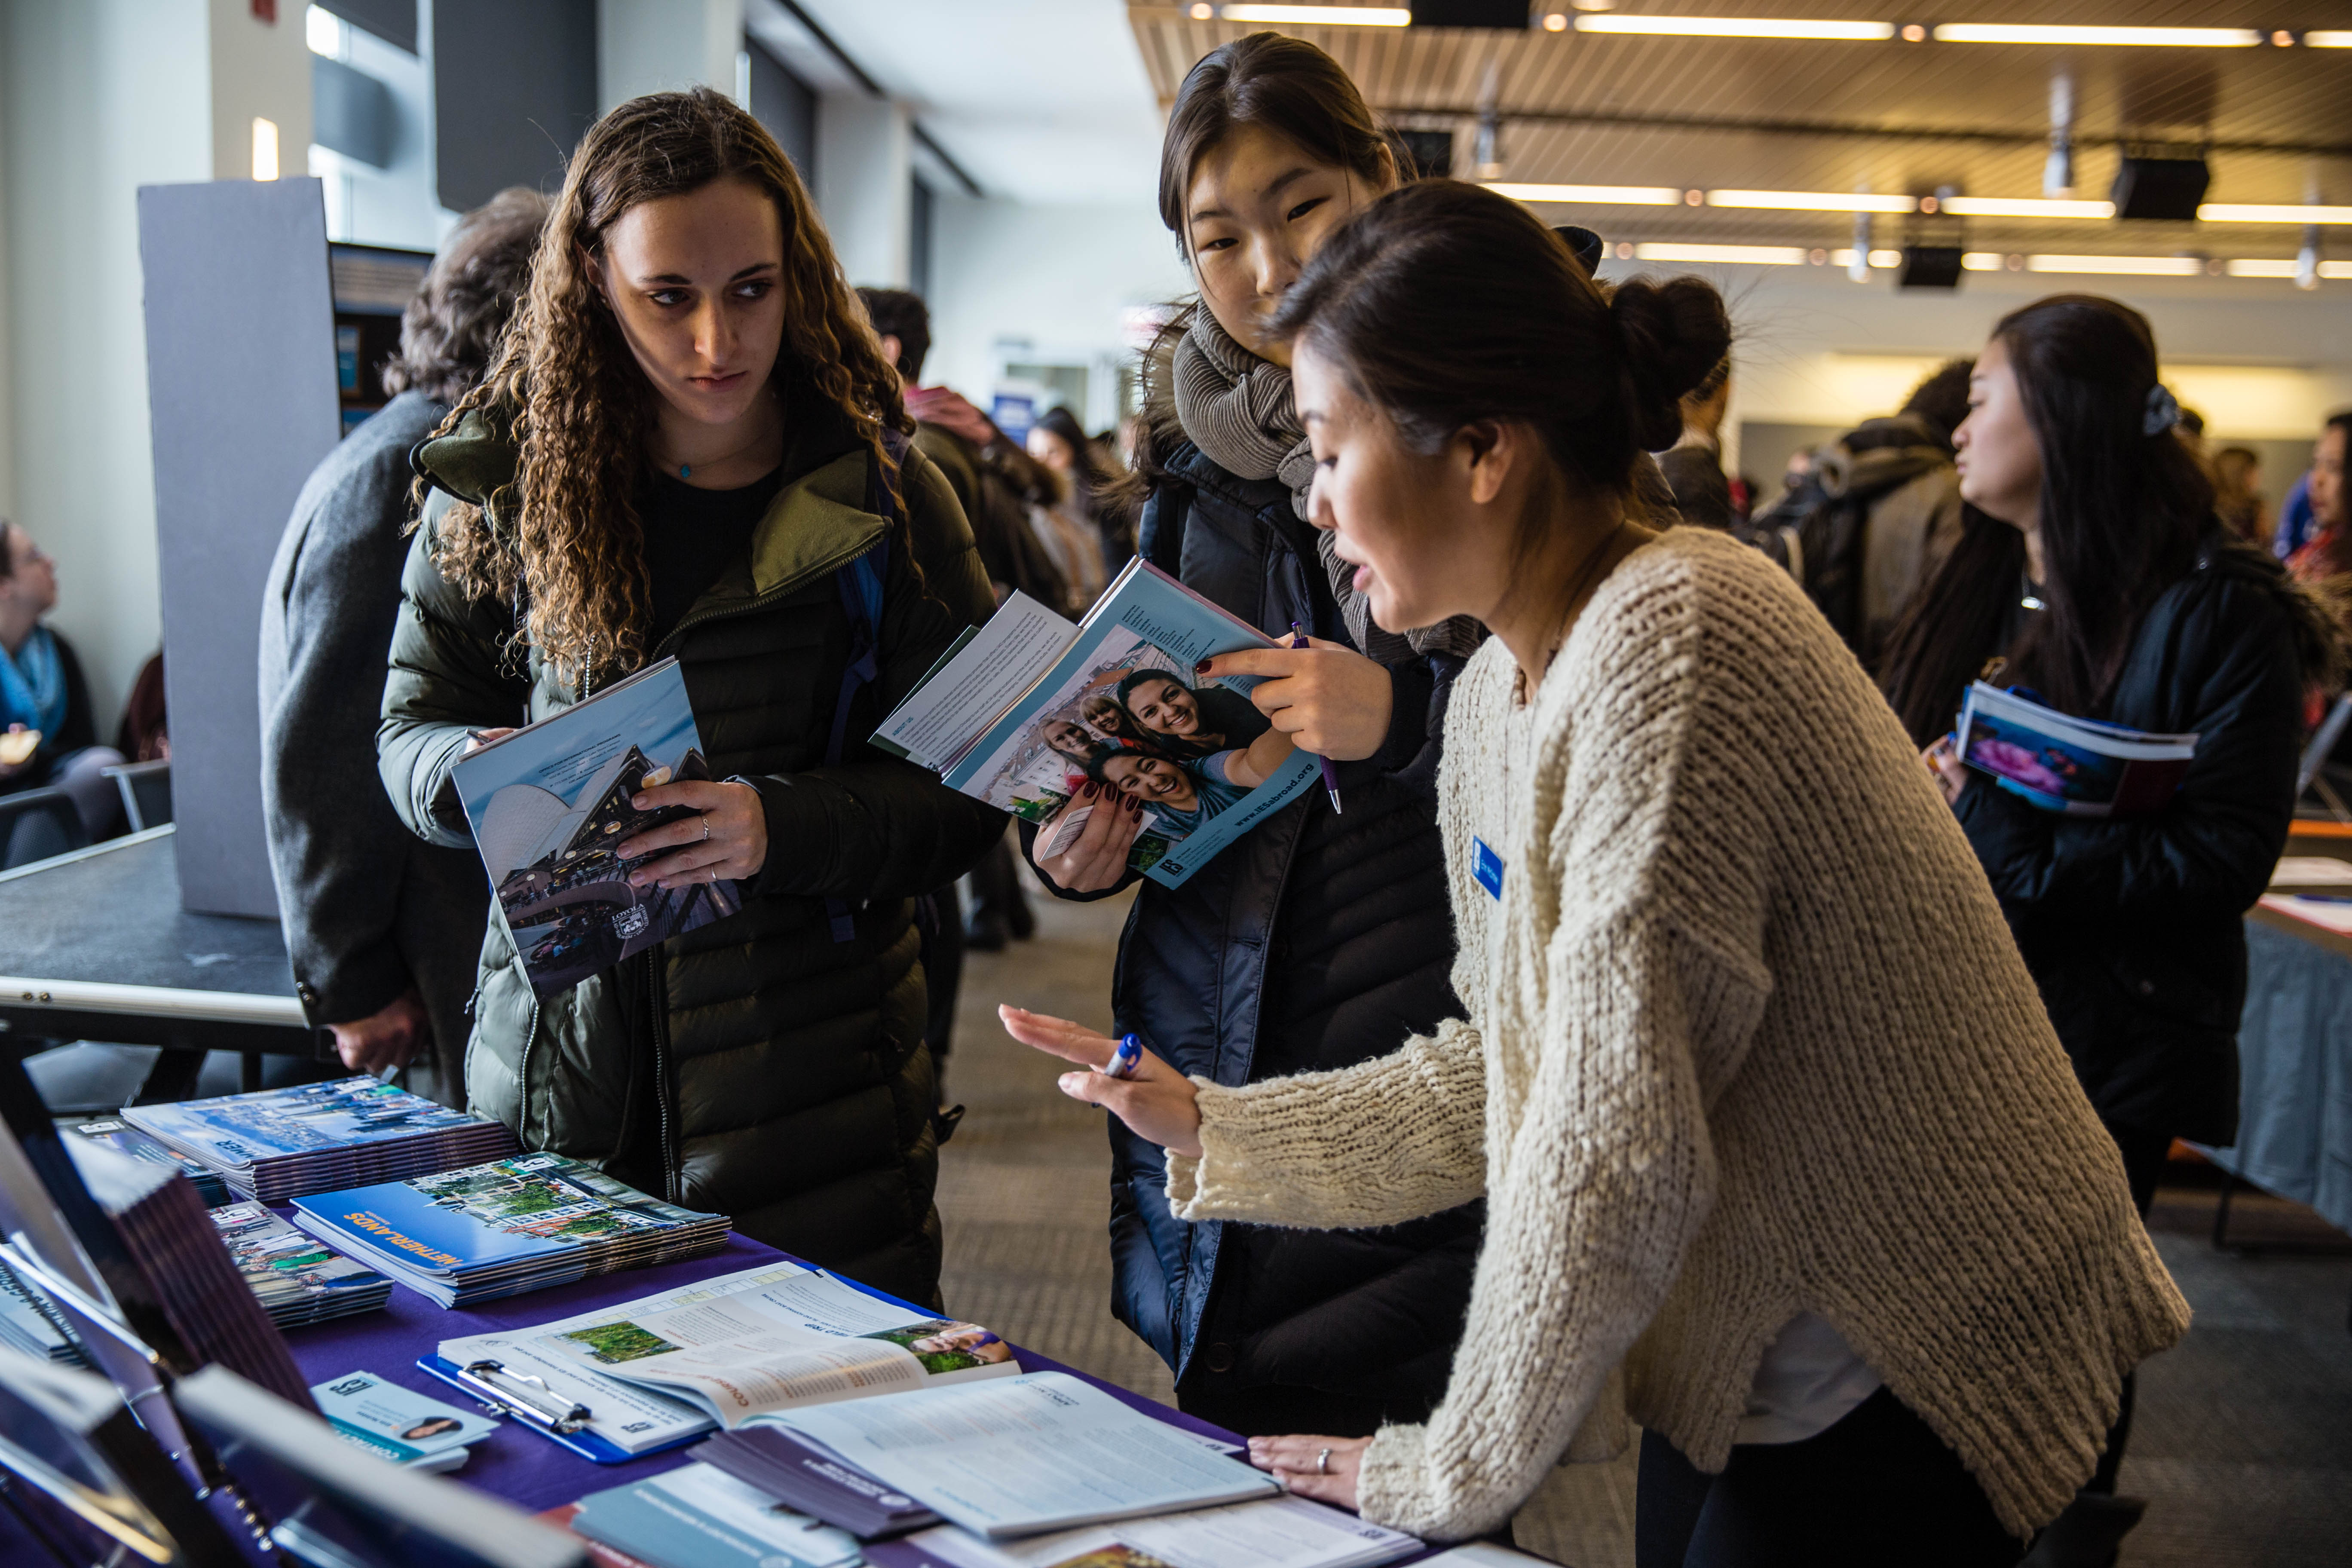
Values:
[(2095, 572), (1780, 1155)]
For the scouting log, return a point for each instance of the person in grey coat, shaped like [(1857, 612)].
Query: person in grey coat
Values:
[(382, 929)]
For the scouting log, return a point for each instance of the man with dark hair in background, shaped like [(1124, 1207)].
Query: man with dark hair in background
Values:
[(1877, 514), (995, 479), (383, 930)]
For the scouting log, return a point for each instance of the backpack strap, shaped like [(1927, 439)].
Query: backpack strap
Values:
[(860, 584)]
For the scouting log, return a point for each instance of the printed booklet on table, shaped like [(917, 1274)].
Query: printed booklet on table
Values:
[(550, 803), (1027, 711), (722, 1352), (2080, 767)]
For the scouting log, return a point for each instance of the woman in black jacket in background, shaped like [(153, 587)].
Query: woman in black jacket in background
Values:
[(1319, 940), (2092, 570)]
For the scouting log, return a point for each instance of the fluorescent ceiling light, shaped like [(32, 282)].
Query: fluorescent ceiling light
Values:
[(2020, 207), (265, 149), (2263, 266), (2228, 211), (1601, 195), (1811, 201), (1981, 261), (2327, 41), (1322, 15), (1749, 255), (2143, 37), (1734, 27), (2138, 266), (1882, 258)]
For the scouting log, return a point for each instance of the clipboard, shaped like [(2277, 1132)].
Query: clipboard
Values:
[(587, 1445)]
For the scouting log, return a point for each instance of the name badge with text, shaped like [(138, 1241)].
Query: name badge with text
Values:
[(1487, 867)]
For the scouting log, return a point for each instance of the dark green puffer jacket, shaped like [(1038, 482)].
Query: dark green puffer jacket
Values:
[(785, 1081)]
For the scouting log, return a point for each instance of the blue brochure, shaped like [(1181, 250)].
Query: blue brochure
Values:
[(548, 803), (1032, 710)]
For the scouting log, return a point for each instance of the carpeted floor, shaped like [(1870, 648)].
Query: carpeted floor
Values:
[(2243, 1439)]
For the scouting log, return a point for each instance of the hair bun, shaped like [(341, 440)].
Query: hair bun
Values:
[(1675, 333)]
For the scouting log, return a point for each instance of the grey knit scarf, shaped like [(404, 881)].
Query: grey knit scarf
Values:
[(1239, 411)]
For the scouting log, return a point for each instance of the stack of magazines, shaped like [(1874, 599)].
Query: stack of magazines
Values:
[(506, 1228), (29, 1325), (316, 1137), (115, 1133), (298, 1279)]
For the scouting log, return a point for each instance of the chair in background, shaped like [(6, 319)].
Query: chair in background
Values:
[(35, 824), (146, 792), (2310, 772)]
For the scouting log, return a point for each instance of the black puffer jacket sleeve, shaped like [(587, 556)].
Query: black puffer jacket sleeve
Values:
[(874, 825), (445, 675), (2222, 663)]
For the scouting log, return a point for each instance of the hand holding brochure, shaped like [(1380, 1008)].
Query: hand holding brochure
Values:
[(1025, 1455), (1029, 711), (2080, 767), (550, 803)]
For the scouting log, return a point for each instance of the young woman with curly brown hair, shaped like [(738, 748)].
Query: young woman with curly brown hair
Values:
[(690, 438)]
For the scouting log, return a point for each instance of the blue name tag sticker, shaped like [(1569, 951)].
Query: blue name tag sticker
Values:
[(1487, 867)]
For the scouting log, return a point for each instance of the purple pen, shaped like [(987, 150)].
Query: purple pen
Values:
[(1331, 774)]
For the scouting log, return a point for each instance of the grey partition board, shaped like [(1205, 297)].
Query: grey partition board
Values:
[(514, 86), (241, 399)]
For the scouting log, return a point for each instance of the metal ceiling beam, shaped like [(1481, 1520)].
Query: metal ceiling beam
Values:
[(1832, 128)]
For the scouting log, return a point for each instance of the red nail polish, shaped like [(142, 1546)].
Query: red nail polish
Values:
[(1200, 665)]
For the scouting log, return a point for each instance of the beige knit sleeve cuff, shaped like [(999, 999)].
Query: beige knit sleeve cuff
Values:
[(1392, 1482), (1226, 1181)]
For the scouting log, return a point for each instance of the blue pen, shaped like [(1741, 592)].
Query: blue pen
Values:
[(1331, 774), (1126, 1059)]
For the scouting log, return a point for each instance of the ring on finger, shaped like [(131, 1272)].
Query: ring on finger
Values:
[(706, 830), (1323, 1463)]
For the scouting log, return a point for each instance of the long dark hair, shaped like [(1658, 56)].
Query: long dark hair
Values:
[(1286, 86), (1446, 304), (2123, 510), (580, 408)]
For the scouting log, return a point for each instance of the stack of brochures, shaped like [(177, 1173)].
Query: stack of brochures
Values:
[(398, 1423), (296, 1277), (2081, 767), (169, 1234), (124, 1139), (30, 1324), (699, 1517), (314, 1137), (1271, 1532), (1025, 1455), (1028, 710), (505, 1227), (651, 1373)]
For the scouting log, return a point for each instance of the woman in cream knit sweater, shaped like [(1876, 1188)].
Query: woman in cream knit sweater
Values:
[(1781, 1157)]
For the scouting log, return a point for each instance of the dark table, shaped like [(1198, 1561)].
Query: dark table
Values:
[(94, 945), (516, 1463)]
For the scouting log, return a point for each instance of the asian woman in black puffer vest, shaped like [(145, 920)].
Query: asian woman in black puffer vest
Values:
[(1321, 939)]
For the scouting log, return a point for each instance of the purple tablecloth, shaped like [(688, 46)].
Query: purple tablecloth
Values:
[(517, 1463)]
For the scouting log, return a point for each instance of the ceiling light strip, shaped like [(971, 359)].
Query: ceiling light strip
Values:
[(1595, 195), (2134, 266), (2232, 212), (1811, 201), (1747, 255), (2020, 207), (1733, 28), (2328, 40), (1321, 15), (2139, 37), (2265, 266)]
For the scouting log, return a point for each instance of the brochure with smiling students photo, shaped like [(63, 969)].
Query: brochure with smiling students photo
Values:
[(1030, 710), (666, 1367), (551, 803)]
